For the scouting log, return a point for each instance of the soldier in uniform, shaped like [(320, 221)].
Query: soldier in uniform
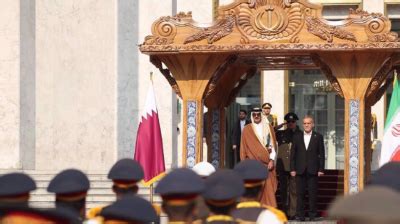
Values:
[(204, 170), (129, 209), (71, 187), (374, 205), (125, 175), (387, 175), (223, 188), (267, 116), (25, 215), (179, 190), (15, 189), (254, 174), (287, 183)]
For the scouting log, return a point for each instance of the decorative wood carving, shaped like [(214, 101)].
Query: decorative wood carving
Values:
[(379, 78), (327, 32), (165, 29), (374, 98), (328, 73), (167, 74), (246, 25), (217, 75), (270, 19), (214, 33), (377, 26), (272, 47)]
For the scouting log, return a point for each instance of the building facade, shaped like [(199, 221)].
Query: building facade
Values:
[(74, 82)]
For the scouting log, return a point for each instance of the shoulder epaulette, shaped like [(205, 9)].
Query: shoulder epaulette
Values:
[(279, 214), (93, 212)]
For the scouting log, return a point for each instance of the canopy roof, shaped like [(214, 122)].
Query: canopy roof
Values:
[(209, 64), (272, 34)]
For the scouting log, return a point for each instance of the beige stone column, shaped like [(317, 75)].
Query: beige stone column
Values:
[(76, 84), (202, 10), (275, 91), (10, 84), (374, 6)]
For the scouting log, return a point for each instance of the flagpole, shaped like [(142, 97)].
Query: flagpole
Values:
[(151, 194)]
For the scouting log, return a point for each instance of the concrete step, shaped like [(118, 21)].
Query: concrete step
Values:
[(100, 193), (93, 191)]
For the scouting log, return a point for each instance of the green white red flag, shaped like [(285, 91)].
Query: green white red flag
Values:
[(391, 140)]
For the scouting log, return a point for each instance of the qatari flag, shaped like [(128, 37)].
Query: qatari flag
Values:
[(149, 147)]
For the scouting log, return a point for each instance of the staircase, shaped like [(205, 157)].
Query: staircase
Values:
[(329, 187), (100, 192)]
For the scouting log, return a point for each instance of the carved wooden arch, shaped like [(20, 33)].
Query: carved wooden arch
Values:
[(378, 79), (263, 25), (218, 74), (328, 73), (382, 80), (235, 91), (167, 74)]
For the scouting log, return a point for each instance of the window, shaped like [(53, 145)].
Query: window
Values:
[(393, 13), (337, 9), (338, 12), (327, 108)]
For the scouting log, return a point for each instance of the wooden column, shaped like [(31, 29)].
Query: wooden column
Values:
[(192, 73), (216, 136), (230, 82), (367, 141), (354, 72)]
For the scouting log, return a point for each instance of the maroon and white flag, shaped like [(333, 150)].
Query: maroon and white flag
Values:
[(149, 146)]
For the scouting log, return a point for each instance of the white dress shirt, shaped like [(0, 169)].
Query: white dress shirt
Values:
[(307, 138), (259, 130), (242, 124)]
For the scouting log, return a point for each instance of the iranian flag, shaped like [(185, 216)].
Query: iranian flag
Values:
[(391, 139), (149, 146)]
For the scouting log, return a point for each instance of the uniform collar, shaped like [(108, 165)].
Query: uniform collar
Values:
[(249, 204), (213, 218)]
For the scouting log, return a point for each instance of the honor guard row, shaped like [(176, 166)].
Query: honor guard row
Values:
[(231, 196), (220, 191)]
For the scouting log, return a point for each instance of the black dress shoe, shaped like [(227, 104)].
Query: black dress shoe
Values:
[(315, 218), (302, 219)]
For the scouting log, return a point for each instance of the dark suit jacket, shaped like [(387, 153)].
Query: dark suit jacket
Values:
[(237, 132), (312, 159)]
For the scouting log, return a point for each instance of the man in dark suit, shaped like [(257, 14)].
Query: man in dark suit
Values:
[(237, 134), (307, 162)]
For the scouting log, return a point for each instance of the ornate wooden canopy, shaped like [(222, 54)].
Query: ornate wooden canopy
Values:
[(265, 26), (208, 64)]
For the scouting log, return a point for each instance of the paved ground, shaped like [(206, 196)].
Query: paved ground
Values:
[(164, 220), (321, 221)]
